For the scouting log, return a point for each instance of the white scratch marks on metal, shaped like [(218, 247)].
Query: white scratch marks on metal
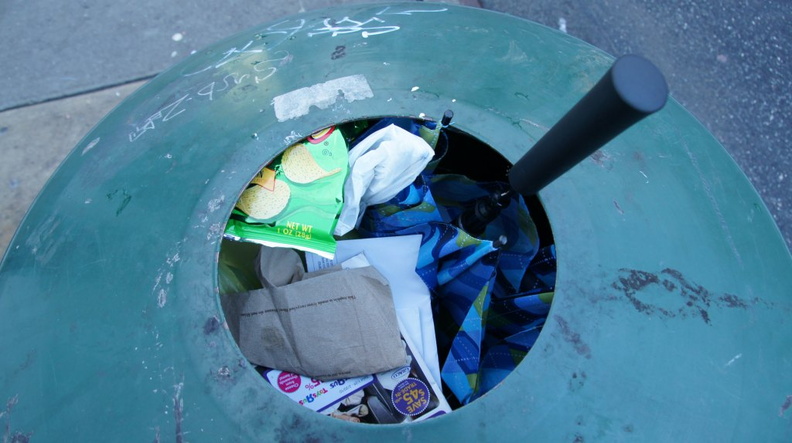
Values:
[(178, 411), (174, 259), (216, 230), (44, 242), (162, 298), (734, 359), (714, 202), (215, 203), (294, 137), (160, 289), (530, 122), (91, 145), (297, 103)]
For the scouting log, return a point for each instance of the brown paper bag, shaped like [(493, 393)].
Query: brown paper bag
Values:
[(334, 323)]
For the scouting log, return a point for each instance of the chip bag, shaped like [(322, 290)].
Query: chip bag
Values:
[(295, 200)]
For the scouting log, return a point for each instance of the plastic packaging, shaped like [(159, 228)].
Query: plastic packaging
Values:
[(295, 200)]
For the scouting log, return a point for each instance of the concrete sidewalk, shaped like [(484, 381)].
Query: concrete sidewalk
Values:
[(36, 138), (67, 64)]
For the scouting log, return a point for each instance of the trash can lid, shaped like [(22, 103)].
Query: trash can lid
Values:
[(671, 315)]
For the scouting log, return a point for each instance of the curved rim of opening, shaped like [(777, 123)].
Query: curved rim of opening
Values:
[(460, 131)]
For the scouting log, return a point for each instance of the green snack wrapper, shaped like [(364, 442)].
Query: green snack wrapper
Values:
[(295, 200)]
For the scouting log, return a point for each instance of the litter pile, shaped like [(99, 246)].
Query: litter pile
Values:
[(368, 280)]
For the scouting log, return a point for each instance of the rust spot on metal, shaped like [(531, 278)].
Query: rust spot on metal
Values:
[(693, 299), (573, 337), (638, 280), (705, 316), (211, 326), (785, 406), (577, 381), (634, 282), (732, 301), (602, 159), (30, 358), (669, 285)]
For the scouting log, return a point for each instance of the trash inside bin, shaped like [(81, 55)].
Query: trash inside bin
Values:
[(670, 316), (487, 296), (478, 244)]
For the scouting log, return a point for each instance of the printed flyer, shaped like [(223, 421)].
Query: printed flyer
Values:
[(404, 394)]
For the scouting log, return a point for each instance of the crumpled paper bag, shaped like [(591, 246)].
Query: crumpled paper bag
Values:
[(330, 324)]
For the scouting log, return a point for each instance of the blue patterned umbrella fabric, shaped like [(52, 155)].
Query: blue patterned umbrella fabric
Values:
[(489, 302)]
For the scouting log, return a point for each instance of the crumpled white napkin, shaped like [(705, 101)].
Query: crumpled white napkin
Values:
[(380, 166)]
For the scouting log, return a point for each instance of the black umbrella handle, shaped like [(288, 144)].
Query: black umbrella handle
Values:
[(632, 89)]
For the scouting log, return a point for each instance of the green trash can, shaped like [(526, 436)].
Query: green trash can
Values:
[(673, 294)]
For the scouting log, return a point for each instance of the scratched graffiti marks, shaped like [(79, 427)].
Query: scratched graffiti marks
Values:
[(258, 70), (350, 26), (679, 297), (259, 59), (371, 26), (163, 114), (252, 66)]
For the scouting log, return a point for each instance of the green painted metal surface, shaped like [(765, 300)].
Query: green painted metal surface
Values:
[(671, 318)]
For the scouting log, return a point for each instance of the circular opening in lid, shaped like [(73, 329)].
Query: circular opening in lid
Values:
[(485, 296)]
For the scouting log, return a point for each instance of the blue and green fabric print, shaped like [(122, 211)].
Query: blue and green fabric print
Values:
[(489, 302)]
